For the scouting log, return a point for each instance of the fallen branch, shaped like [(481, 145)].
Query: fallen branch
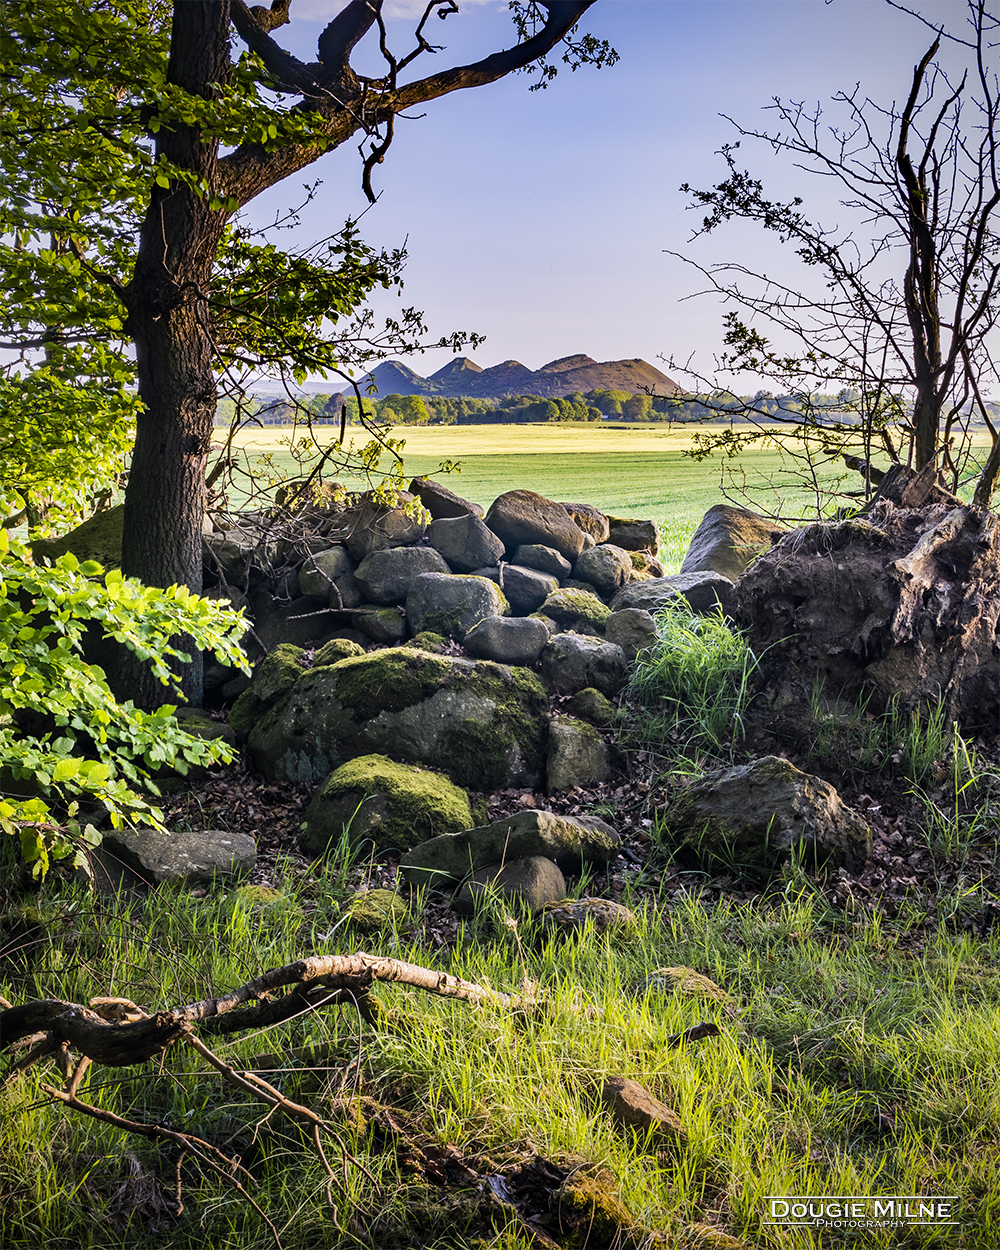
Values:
[(328, 977)]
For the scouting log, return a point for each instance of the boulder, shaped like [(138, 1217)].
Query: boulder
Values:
[(525, 589), (521, 516), (704, 593), (452, 604), (320, 573), (507, 639), (590, 520), (372, 525), (755, 815), (632, 629), (571, 662), (577, 755), (441, 502), (634, 535), (374, 910), (578, 610), (299, 622), (607, 568), (385, 576), (519, 884), (590, 705), (384, 625), (98, 538), (377, 800), (544, 559), (191, 857), (571, 841), (273, 677), (335, 650), (644, 565), (483, 724), (465, 542), (728, 539)]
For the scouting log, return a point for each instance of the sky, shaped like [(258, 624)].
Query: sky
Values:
[(544, 220)]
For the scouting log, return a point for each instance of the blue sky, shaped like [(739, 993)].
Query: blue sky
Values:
[(540, 219)]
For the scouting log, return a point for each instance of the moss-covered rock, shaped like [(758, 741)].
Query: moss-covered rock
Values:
[(484, 724), (590, 705), (99, 538), (591, 1214), (576, 610), (389, 804), (273, 677), (335, 650), (373, 910), (428, 641)]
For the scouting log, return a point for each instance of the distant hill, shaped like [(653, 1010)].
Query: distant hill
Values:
[(462, 376)]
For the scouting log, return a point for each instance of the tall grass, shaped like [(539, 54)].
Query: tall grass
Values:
[(692, 688)]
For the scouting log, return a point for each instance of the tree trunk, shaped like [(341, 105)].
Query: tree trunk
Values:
[(170, 323)]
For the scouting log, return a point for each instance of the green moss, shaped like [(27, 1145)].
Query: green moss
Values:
[(277, 673), (446, 622), (591, 1212), (426, 641), (335, 650), (373, 910), (391, 804), (390, 680), (571, 609), (593, 706)]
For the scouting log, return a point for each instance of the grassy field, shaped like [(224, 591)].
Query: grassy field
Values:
[(638, 471)]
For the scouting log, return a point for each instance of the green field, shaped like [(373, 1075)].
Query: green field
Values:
[(625, 470)]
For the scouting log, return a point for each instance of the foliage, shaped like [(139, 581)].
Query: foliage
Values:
[(890, 348), (68, 747), (694, 686)]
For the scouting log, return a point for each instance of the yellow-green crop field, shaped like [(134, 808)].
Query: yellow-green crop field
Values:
[(638, 470)]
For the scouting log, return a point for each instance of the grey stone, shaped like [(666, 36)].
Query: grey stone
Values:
[(590, 520), (590, 705), (452, 604), (578, 610), (521, 516), (728, 539), (525, 589), (578, 914), (507, 639), (385, 576), (607, 568), (372, 525), (577, 755), (545, 559), (520, 883), (345, 592), (441, 502), (299, 622), (704, 592), (385, 625), (634, 535), (632, 629), (465, 542), (483, 724), (571, 662), (320, 571), (192, 857), (569, 840), (756, 814)]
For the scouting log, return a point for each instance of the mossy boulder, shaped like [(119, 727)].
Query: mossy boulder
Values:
[(98, 538), (335, 650), (273, 677), (590, 705), (426, 640), (372, 910), (591, 1214), (576, 610), (577, 755), (389, 804), (483, 724), (451, 604), (755, 815)]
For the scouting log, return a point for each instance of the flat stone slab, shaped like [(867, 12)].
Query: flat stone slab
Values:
[(194, 858)]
